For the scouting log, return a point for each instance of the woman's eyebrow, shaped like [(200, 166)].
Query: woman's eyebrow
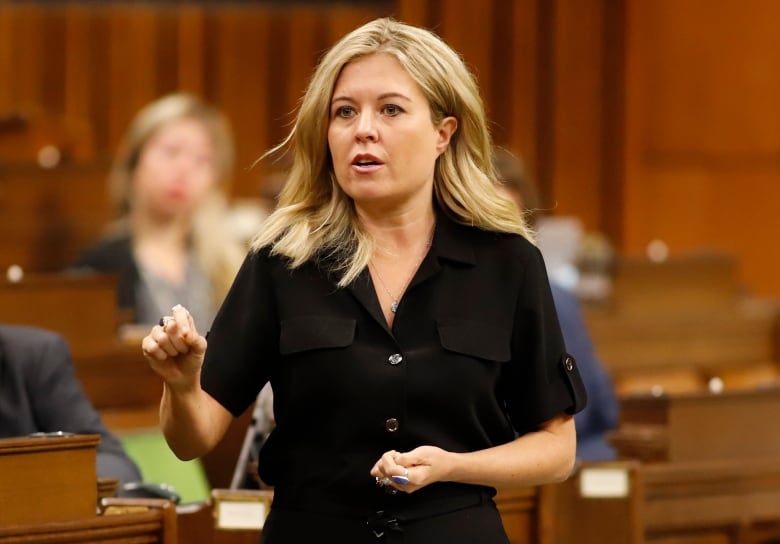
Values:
[(383, 96)]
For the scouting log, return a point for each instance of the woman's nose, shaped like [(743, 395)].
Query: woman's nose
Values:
[(366, 129)]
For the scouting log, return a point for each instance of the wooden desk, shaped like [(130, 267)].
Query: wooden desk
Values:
[(673, 326), (521, 513), (710, 502), (710, 470), (698, 427), (120, 521), (46, 479)]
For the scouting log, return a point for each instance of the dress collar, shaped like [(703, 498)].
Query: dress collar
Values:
[(452, 240)]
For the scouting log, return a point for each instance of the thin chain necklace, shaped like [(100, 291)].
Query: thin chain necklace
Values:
[(395, 300)]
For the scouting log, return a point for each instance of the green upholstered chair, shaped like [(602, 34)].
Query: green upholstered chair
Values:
[(159, 465)]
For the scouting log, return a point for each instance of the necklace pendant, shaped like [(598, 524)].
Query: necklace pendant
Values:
[(394, 306)]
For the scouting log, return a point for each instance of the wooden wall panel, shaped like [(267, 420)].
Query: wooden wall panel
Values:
[(191, 45), (241, 73), (84, 69), (77, 65), (27, 26), (575, 173), (702, 131), (132, 64), (500, 42), (648, 120), (522, 82), (6, 57), (305, 43)]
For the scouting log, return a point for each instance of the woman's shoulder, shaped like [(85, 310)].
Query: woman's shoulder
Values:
[(506, 243)]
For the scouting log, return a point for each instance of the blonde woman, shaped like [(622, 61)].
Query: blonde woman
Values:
[(168, 184), (397, 307)]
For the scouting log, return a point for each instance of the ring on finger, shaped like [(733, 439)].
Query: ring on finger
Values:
[(383, 482)]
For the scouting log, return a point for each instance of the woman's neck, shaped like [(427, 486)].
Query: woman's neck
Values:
[(395, 235)]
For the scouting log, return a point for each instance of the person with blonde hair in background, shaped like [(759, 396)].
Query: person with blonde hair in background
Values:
[(398, 308), (169, 185)]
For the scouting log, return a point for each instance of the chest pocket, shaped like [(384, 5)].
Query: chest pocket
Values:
[(476, 339), (315, 332)]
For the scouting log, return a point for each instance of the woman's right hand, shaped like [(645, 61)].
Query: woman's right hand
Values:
[(175, 350)]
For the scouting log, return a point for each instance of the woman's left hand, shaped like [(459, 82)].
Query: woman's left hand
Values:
[(419, 467)]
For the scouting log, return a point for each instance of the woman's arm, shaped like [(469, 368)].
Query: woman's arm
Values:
[(191, 420), (538, 457)]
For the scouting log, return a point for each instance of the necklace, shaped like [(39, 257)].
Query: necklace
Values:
[(395, 300)]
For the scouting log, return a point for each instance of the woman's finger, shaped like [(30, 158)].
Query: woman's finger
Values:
[(163, 338)]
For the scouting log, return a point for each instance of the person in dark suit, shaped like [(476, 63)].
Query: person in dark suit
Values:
[(40, 393), (397, 307)]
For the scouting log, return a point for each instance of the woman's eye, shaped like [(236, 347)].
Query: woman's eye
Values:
[(345, 111), (391, 110)]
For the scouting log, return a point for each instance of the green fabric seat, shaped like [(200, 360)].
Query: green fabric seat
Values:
[(158, 464)]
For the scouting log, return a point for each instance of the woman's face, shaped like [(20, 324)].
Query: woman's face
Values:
[(380, 134), (176, 169)]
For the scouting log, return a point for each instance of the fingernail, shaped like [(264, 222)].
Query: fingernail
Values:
[(400, 480)]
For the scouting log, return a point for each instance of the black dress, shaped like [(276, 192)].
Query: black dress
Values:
[(475, 357)]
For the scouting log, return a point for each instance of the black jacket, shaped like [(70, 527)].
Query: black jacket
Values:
[(114, 256)]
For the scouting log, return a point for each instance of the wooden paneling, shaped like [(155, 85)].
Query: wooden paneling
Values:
[(99, 63), (576, 171), (702, 131), (648, 120)]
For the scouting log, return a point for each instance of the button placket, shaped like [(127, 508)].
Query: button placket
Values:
[(392, 424)]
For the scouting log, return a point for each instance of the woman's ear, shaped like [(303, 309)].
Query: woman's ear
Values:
[(447, 127)]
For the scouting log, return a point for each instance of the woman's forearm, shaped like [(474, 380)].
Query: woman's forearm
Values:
[(192, 422), (539, 457)]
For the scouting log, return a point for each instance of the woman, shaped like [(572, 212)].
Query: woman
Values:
[(402, 317), (168, 184)]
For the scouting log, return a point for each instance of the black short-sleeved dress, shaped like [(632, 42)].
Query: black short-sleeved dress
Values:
[(475, 357)]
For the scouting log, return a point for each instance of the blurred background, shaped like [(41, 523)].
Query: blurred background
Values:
[(655, 123), (651, 127)]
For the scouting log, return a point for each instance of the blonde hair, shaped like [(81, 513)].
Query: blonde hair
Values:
[(218, 257), (315, 215)]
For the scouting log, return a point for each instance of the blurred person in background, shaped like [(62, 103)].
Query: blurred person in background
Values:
[(600, 416), (169, 185), (40, 393)]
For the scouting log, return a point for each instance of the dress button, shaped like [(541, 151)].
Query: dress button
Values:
[(391, 425), (568, 363), (395, 358)]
